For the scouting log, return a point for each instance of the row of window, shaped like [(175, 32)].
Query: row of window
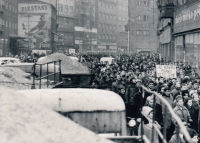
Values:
[(109, 16), (111, 37), (65, 9), (107, 5), (142, 32), (8, 24), (142, 3), (108, 26), (142, 17), (8, 6), (123, 8)]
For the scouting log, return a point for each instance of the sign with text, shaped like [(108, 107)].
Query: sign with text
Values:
[(187, 18), (167, 71)]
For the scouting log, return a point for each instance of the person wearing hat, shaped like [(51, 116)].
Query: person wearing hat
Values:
[(132, 98), (181, 111), (147, 112)]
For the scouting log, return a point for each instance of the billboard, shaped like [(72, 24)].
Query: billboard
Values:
[(34, 23)]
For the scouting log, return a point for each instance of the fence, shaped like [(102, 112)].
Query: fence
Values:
[(48, 74), (179, 126), (143, 138)]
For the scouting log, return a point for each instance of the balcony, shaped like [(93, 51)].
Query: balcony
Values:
[(167, 11)]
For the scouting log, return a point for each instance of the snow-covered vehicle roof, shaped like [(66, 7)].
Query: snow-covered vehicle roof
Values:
[(76, 99), (24, 121)]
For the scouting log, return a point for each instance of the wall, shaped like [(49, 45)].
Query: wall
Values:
[(143, 32)]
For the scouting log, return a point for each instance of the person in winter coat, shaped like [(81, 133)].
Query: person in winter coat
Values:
[(132, 99), (158, 107), (181, 111), (147, 112), (196, 106), (188, 105)]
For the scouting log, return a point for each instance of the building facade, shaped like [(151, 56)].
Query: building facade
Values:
[(85, 21), (187, 33), (65, 30), (179, 33), (111, 25), (143, 19), (8, 26)]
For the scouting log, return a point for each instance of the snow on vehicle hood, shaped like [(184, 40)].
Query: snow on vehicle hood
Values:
[(76, 99), (24, 121)]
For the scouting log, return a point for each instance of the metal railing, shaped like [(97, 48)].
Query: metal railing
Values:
[(47, 73), (179, 126)]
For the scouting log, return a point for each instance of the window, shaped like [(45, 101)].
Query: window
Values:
[(60, 6), (6, 5), (13, 9), (146, 32), (139, 17), (10, 7), (66, 9), (146, 17), (103, 37), (100, 14), (114, 16), (107, 16), (99, 36), (120, 8), (120, 18), (111, 16), (104, 15), (99, 25), (139, 32), (6, 23), (71, 9), (145, 3), (100, 3), (138, 3)]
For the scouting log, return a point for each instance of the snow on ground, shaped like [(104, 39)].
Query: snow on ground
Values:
[(76, 99), (24, 121)]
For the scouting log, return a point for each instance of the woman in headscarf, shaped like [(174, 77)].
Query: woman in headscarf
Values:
[(147, 112)]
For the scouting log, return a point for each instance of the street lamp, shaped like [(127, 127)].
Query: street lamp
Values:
[(129, 32)]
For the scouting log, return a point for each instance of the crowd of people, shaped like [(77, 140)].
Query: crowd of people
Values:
[(128, 72)]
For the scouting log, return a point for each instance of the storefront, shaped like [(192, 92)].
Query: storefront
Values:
[(166, 49), (187, 35)]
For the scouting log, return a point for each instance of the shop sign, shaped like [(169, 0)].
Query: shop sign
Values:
[(166, 71), (165, 37), (187, 19)]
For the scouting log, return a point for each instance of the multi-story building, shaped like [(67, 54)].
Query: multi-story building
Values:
[(8, 26), (107, 25), (179, 31), (85, 21), (143, 19), (65, 31), (122, 35)]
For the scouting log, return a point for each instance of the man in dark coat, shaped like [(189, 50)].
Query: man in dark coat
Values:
[(132, 99)]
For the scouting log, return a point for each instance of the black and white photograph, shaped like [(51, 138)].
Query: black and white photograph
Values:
[(99, 71)]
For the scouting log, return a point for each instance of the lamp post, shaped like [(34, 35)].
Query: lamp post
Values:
[(129, 19)]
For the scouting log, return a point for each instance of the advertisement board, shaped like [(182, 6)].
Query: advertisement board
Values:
[(187, 19), (34, 23), (166, 71)]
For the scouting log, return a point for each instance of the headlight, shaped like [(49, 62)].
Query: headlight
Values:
[(132, 123)]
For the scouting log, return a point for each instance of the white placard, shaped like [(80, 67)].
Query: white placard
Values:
[(71, 51), (167, 71)]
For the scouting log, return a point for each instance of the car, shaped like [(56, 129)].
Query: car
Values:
[(9, 60)]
